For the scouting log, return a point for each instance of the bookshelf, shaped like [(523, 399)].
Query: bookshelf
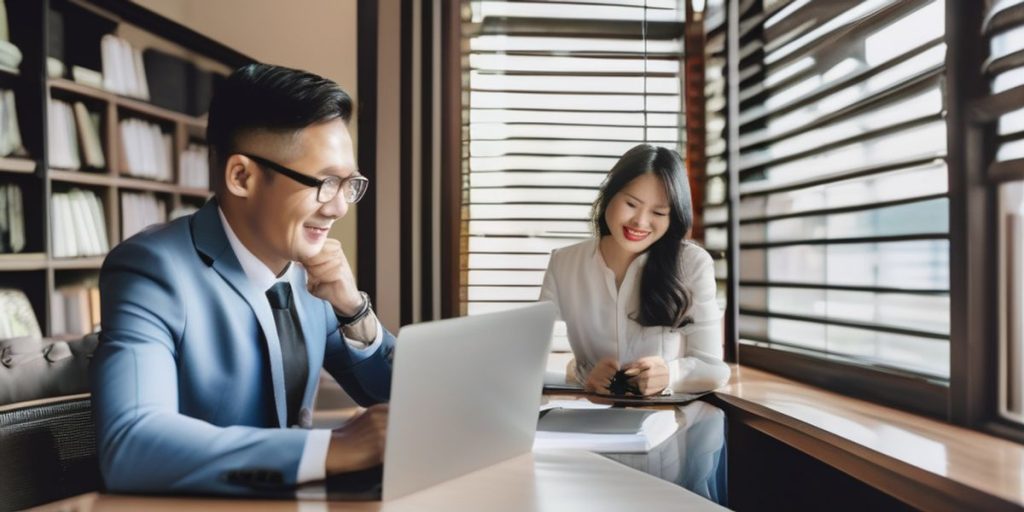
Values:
[(72, 30)]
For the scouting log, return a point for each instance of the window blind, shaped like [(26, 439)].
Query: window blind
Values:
[(843, 204), (1003, 31), (555, 93)]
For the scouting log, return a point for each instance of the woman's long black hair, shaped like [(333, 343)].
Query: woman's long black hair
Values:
[(664, 300)]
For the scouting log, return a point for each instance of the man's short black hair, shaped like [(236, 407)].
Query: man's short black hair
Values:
[(276, 99)]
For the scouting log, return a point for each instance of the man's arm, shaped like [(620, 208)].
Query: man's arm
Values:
[(145, 444)]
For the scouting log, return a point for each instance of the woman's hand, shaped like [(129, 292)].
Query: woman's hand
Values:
[(649, 375), (601, 376)]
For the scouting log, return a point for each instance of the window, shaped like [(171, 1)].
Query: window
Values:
[(843, 208), (557, 91), (1005, 73)]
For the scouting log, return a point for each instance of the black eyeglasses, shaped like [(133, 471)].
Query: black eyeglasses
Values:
[(352, 187)]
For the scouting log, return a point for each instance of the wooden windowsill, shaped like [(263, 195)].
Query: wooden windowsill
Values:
[(923, 462)]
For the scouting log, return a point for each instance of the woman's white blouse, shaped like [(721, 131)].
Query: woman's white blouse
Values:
[(599, 318)]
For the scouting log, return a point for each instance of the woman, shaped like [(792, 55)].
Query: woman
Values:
[(638, 300)]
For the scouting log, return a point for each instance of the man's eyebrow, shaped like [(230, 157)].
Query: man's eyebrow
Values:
[(334, 171)]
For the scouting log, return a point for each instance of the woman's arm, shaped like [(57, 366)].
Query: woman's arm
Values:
[(701, 368)]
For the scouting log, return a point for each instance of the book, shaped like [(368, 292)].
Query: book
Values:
[(604, 430), (10, 56), (194, 167), (78, 227), (10, 132), (62, 136), (17, 318), (146, 150), (12, 219), (139, 211), (15, 219), (75, 308), (86, 76), (123, 71), (5, 35), (89, 132)]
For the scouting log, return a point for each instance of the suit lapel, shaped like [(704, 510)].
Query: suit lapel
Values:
[(211, 242)]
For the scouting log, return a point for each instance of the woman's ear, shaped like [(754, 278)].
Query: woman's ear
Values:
[(239, 179)]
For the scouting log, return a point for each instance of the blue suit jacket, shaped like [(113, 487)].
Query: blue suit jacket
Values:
[(188, 382)]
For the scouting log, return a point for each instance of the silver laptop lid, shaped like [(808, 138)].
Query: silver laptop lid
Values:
[(464, 395)]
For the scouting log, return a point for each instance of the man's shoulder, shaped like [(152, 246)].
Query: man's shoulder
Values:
[(159, 241)]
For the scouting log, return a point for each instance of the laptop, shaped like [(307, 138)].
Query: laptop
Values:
[(464, 396)]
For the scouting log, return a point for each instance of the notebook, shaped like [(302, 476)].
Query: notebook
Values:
[(604, 430)]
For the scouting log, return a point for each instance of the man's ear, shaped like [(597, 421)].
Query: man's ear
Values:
[(239, 176)]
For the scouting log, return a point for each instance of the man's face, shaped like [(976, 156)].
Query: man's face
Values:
[(284, 214)]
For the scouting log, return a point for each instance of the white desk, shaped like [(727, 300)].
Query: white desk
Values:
[(545, 481)]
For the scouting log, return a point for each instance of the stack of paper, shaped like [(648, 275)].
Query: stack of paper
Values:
[(16, 316), (602, 429), (74, 132), (12, 219), (194, 168), (123, 72), (78, 225), (139, 211), (146, 149), (75, 309), (10, 133)]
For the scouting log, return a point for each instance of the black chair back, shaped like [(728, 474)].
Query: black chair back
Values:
[(47, 452)]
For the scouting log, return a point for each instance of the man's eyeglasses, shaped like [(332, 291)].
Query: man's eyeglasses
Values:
[(352, 187)]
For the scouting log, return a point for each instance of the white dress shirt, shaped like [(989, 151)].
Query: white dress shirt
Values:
[(313, 463), (600, 318)]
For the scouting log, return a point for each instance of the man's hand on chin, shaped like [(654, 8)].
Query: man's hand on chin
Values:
[(329, 277)]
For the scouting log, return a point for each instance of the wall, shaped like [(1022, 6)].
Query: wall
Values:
[(315, 35)]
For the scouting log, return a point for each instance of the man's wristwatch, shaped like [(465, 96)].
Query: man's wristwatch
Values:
[(364, 310)]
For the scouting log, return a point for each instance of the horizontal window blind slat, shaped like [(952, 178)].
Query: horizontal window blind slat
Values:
[(507, 261), (922, 60), (920, 142), (569, 64), (757, 160), (573, 84), (837, 108), (908, 264), (852, 358), (517, 211), (855, 207), (602, 119), (485, 164), (922, 313), (505, 277), (479, 148), (529, 228), (506, 195), (498, 43), (755, 189), (852, 288), (846, 323), (519, 245), (540, 132)]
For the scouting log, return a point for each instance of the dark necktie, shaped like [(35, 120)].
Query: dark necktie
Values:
[(293, 346)]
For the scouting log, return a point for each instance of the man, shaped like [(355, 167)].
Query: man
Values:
[(215, 326)]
